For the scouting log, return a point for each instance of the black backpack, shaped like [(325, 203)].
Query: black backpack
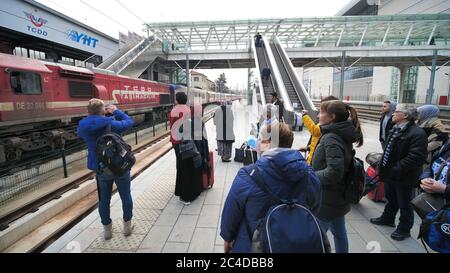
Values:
[(355, 180), (114, 153)]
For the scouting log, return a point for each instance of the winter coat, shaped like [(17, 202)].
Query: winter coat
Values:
[(92, 127), (246, 204), (314, 130), (408, 154), (332, 157)]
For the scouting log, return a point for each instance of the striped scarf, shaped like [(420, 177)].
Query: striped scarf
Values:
[(390, 145)]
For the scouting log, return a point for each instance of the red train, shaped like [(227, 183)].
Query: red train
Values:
[(41, 103)]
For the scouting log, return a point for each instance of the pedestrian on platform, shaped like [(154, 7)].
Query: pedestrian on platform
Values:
[(283, 169), (386, 122), (434, 128), (400, 169), (441, 184), (269, 116), (188, 184), (90, 129), (224, 122), (314, 130), (340, 128), (277, 102)]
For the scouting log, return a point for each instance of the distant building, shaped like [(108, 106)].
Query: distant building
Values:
[(381, 83), (201, 81)]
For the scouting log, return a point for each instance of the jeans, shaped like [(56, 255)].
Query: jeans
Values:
[(105, 185), (339, 231), (399, 198)]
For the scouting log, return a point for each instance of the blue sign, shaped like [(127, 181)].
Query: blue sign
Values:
[(82, 38)]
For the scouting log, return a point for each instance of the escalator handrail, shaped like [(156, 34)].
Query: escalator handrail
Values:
[(311, 107), (279, 81), (267, 63), (258, 75), (287, 72)]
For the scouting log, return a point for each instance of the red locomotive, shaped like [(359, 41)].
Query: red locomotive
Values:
[(41, 103)]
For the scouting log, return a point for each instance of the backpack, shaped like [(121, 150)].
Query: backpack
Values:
[(114, 153), (287, 227), (435, 230), (355, 181)]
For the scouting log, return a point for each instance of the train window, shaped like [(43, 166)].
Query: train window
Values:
[(28, 83), (81, 89)]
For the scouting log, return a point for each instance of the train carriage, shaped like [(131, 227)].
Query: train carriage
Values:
[(41, 103)]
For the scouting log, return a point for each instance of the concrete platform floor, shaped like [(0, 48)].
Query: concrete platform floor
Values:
[(163, 224)]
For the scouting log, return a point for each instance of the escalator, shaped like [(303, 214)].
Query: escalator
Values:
[(296, 92), (133, 60), (119, 54), (267, 86)]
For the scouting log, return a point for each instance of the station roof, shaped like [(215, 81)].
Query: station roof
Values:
[(338, 31)]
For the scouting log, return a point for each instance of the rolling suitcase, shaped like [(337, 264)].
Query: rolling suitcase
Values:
[(208, 177), (377, 194)]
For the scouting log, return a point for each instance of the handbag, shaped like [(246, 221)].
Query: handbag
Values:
[(426, 202), (188, 150), (239, 153), (250, 156)]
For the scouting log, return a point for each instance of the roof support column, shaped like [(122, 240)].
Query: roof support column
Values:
[(188, 75), (341, 86), (401, 89), (430, 90)]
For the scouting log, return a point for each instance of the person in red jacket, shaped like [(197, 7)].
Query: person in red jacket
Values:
[(188, 180)]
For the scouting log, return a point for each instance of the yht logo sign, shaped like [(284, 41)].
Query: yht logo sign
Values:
[(82, 38), (37, 24)]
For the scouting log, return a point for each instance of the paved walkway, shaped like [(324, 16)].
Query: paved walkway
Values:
[(165, 225)]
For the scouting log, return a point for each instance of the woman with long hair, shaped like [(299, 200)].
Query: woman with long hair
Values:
[(340, 128)]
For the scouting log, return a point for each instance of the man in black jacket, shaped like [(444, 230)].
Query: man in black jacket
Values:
[(400, 169), (386, 122)]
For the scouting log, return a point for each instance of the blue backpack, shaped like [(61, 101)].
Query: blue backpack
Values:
[(288, 226), (435, 230)]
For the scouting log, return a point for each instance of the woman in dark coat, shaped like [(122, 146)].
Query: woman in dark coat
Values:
[(441, 184), (333, 155), (189, 171)]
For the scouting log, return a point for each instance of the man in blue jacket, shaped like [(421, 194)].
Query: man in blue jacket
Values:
[(90, 129), (282, 169)]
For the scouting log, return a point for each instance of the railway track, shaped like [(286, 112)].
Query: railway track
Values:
[(50, 230)]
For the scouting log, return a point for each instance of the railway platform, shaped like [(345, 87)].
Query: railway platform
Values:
[(164, 225)]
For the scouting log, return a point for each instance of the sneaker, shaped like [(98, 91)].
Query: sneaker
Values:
[(400, 236), (382, 222), (184, 202)]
